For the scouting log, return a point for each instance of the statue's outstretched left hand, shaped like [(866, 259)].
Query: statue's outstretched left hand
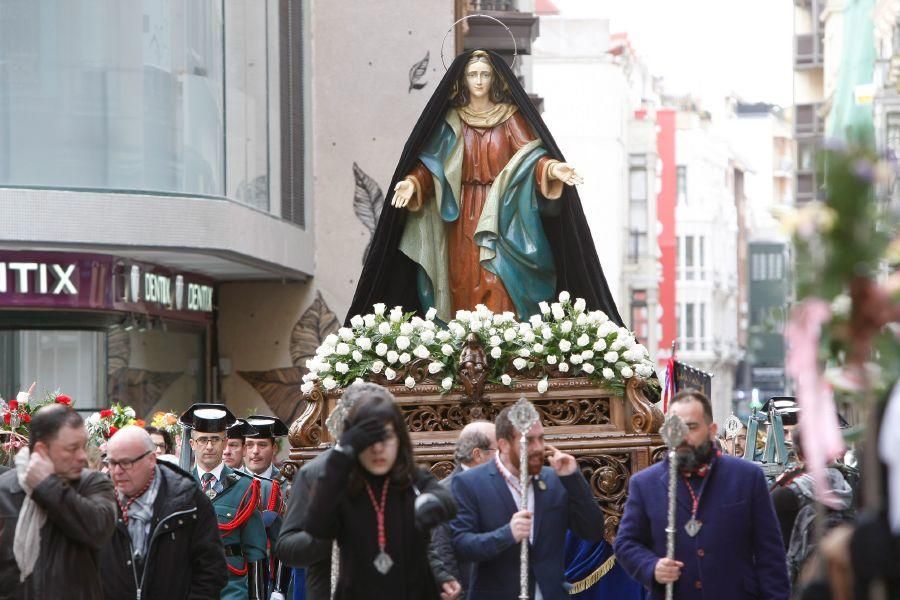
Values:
[(565, 173)]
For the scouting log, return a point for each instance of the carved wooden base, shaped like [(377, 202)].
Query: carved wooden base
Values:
[(611, 435)]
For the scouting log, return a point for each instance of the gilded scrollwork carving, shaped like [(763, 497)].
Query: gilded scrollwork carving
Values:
[(645, 417), (307, 431), (442, 468), (553, 411), (607, 475)]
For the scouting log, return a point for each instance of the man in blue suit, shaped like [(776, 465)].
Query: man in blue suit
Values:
[(489, 525), (728, 542)]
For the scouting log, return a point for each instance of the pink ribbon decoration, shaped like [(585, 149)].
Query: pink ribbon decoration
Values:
[(822, 440)]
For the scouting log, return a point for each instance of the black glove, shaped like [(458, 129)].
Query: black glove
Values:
[(429, 512), (360, 436)]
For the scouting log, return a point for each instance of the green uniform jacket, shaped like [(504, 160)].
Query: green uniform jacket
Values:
[(251, 536)]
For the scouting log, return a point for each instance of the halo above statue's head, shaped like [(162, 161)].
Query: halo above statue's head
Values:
[(495, 19)]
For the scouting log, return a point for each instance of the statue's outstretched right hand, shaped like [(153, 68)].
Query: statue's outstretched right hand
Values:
[(403, 192)]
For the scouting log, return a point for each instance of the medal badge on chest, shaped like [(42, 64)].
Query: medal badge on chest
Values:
[(383, 561), (692, 527), (211, 493)]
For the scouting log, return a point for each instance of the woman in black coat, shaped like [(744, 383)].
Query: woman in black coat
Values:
[(378, 505)]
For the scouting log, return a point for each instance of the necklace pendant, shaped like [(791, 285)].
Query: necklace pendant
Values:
[(692, 527), (383, 562)]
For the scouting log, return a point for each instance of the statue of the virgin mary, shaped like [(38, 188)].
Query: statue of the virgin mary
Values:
[(483, 207)]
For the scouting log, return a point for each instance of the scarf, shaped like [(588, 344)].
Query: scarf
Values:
[(27, 540), (488, 118), (139, 513)]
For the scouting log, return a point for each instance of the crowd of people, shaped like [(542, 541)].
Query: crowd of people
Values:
[(362, 520)]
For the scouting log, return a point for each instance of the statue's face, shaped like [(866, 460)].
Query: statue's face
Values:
[(479, 76)]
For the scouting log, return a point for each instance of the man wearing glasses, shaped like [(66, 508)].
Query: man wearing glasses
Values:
[(166, 543), (235, 498)]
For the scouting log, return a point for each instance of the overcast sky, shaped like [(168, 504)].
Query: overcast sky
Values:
[(707, 47)]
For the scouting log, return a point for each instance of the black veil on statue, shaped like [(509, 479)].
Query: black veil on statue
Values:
[(389, 276)]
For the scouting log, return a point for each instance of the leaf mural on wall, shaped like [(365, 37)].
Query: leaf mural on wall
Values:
[(367, 201), (280, 388), (416, 72), (313, 327), (139, 388)]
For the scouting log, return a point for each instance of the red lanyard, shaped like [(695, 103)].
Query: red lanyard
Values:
[(379, 511), (695, 499), (509, 480)]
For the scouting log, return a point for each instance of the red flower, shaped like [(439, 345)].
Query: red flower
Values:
[(7, 418), (63, 399), (26, 418), (112, 430), (13, 405), (106, 413)]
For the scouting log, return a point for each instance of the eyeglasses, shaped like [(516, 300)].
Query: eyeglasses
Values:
[(125, 464), (160, 446), (203, 441)]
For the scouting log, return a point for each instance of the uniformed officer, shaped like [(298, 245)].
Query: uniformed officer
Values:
[(235, 498), (234, 445), (259, 454)]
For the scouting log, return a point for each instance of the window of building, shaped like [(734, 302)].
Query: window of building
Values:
[(681, 184), (293, 198), (639, 315), (689, 327), (637, 212)]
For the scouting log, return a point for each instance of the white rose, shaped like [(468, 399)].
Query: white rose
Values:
[(435, 367), (404, 358), (640, 351), (357, 321), (342, 349), (392, 356), (345, 333), (581, 320), (384, 328), (587, 368), (93, 419), (396, 314), (563, 367), (447, 383), (505, 379), (410, 382), (557, 310), (457, 330), (331, 340), (520, 363), (524, 352), (583, 339), (495, 340), (528, 336), (421, 351), (364, 343), (463, 315), (379, 308), (496, 352), (341, 367), (406, 328), (565, 345), (543, 385), (617, 345), (402, 342), (443, 335), (329, 383), (538, 348), (606, 328), (369, 320), (587, 354), (509, 335), (576, 359), (427, 336), (608, 373), (551, 360), (545, 308), (324, 367), (475, 325), (564, 296), (643, 371), (611, 357), (602, 317), (325, 351), (599, 346), (580, 304), (377, 366), (381, 349), (447, 349), (431, 314), (547, 334), (306, 388), (627, 372), (536, 320), (22, 398), (565, 326), (389, 373)]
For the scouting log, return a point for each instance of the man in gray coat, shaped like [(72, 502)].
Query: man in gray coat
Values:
[(55, 514)]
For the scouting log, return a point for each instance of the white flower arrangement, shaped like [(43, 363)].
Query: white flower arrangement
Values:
[(564, 340)]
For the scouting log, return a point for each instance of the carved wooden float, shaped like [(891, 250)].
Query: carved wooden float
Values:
[(611, 435)]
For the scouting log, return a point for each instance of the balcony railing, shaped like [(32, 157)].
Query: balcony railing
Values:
[(808, 51)]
